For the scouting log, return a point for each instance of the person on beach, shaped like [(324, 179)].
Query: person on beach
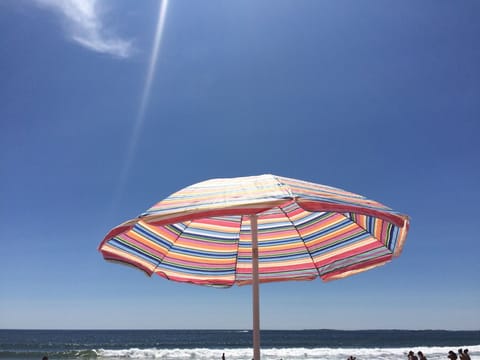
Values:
[(461, 355), (451, 355), (351, 358), (412, 356), (467, 355), (223, 356), (421, 356)]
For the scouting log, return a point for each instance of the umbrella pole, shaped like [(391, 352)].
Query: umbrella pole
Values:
[(255, 288)]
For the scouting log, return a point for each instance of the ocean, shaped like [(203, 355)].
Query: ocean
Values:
[(236, 344)]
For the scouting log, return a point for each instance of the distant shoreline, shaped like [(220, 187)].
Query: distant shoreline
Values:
[(208, 329)]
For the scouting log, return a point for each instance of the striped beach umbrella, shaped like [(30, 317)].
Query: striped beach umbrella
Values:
[(258, 229)]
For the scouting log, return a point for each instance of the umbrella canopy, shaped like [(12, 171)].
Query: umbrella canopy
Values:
[(258, 229)]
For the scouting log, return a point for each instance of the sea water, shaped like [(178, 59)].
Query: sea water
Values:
[(236, 344)]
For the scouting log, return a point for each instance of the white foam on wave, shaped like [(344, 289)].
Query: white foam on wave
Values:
[(432, 353)]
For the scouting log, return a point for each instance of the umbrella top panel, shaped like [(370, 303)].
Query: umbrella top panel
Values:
[(255, 194)]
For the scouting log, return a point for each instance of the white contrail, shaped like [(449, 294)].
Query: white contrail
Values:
[(153, 59), (139, 120)]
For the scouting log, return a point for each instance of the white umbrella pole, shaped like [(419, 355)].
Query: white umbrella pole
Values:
[(255, 288)]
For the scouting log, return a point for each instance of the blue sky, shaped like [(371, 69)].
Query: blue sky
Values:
[(375, 97)]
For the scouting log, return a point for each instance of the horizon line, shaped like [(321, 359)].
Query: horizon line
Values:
[(232, 329)]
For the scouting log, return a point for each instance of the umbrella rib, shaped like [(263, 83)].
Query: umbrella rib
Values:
[(301, 238), (236, 252), (168, 251), (366, 230)]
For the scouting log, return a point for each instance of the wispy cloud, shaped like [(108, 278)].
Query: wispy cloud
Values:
[(84, 25)]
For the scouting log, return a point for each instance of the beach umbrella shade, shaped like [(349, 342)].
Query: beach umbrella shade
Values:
[(258, 229)]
